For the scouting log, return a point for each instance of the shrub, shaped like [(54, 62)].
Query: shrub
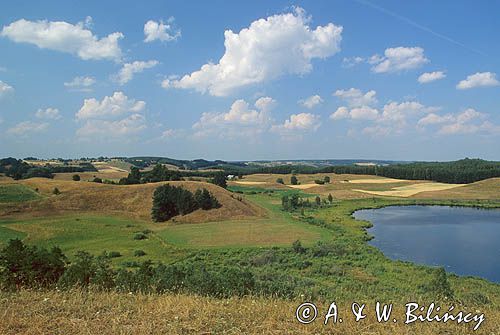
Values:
[(319, 181), (280, 181), (294, 180), (76, 177), (439, 284), (31, 267), (114, 254), (298, 248), (139, 253), (80, 272), (140, 236), (326, 180), (97, 180), (56, 191)]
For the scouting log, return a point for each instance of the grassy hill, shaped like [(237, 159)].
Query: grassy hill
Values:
[(132, 201)]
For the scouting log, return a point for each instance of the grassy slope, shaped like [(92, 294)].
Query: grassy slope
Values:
[(111, 313), (16, 193)]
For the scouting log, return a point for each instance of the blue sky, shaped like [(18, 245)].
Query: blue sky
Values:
[(412, 80)]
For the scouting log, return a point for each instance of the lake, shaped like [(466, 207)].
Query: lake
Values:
[(465, 241)]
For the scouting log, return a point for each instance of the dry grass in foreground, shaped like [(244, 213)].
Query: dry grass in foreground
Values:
[(112, 313)]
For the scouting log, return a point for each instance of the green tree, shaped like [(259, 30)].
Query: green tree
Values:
[(220, 179), (439, 284), (280, 181), (205, 200), (327, 179), (76, 177), (285, 202), (318, 201), (330, 198), (294, 180)]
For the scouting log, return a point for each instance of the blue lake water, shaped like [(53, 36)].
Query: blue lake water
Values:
[(465, 241)]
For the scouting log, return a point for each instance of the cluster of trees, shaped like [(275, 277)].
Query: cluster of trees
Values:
[(170, 201), (325, 180), (293, 202), (162, 173), (19, 169), (31, 267)]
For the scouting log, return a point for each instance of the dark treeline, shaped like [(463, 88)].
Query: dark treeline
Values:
[(460, 172), (162, 173), (18, 169)]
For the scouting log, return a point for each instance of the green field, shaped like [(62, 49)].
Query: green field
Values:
[(16, 193)]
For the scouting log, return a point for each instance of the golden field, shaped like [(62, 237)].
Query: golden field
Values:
[(78, 312)]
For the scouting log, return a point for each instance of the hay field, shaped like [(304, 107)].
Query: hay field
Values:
[(77, 312), (408, 191), (347, 186)]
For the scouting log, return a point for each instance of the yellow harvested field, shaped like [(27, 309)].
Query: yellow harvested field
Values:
[(408, 191), (377, 181), (250, 182), (303, 186)]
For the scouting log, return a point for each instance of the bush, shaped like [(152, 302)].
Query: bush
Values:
[(319, 181), (97, 180), (114, 254), (76, 177), (139, 253), (298, 248), (30, 267), (280, 181), (80, 272), (56, 191), (439, 284), (140, 236), (326, 180), (294, 180)]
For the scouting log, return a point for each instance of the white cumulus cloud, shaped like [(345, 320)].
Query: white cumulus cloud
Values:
[(240, 121), (27, 128), (106, 129), (110, 106), (48, 113), (5, 88), (479, 79), (82, 84), (356, 98), (267, 49), (311, 101), (128, 70), (399, 59), (62, 36), (154, 30), (429, 77), (469, 121), (298, 123)]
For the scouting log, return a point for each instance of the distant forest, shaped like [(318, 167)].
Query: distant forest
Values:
[(18, 169), (459, 172)]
